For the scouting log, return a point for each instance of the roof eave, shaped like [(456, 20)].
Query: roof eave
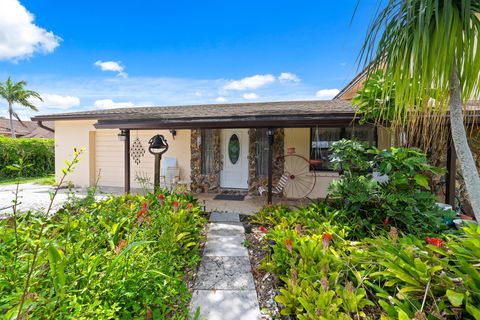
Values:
[(230, 122)]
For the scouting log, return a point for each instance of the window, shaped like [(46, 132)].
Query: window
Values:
[(323, 138), (206, 148), (261, 152)]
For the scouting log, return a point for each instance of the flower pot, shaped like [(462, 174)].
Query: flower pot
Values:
[(315, 162)]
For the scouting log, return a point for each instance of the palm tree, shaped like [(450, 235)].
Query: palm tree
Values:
[(14, 92), (429, 48)]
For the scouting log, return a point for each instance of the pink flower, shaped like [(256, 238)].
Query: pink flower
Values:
[(175, 206), (437, 242), (326, 237), (288, 243), (121, 245), (160, 199), (263, 229)]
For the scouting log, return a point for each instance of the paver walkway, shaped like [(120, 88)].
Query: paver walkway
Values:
[(224, 288)]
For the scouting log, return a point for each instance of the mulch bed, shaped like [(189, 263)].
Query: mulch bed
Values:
[(266, 284)]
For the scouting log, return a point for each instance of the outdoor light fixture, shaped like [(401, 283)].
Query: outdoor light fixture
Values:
[(174, 133), (157, 146), (270, 134), (122, 136)]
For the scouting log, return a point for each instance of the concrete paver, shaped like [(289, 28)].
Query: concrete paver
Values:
[(225, 246), (223, 273), (226, 304), (224, 288)]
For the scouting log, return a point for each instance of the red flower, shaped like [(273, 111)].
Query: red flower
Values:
[(189, 206), (263, 229), (386, 222), (121, 245), (288, 243), (175, 204), (145, 206), (148, 219), (160, 197), (437, 242), (326, 237)]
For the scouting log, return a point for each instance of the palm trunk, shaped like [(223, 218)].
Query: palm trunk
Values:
[(12, 128), (464, 154)]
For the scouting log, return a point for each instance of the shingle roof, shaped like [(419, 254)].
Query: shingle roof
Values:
[(212, 111)]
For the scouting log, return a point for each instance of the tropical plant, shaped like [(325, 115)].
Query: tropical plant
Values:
[(326, 275), (14, 92), (402, 200), (429, 49)]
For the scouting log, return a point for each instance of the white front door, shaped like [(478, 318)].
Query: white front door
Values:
[(234, 159)]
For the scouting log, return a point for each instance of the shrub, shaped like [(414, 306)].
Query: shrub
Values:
[(327, 276), (38, 153), (120, 258), (404, 200)]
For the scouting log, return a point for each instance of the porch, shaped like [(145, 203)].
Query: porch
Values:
[(215, 147)]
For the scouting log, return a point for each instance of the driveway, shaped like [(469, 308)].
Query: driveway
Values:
[(33, 197)]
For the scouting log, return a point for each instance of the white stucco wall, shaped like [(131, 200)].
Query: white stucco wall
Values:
[(70, 135), (103, 158)]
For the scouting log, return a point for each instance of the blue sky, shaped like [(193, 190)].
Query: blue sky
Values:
[(101, 54)]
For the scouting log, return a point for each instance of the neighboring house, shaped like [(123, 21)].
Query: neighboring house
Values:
[(216, 147), (27, 129)]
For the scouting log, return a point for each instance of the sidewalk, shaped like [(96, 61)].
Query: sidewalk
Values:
[(224, 288)]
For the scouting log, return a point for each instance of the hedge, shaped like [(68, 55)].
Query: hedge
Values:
[(38, 154)]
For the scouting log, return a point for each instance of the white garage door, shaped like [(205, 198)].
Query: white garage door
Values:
[(109, 158)]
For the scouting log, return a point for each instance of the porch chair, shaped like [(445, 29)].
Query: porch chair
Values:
[(169, 172), (276, 190)]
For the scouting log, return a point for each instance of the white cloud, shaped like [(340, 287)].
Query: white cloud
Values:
[(114, 66), (110, 104), (342, 64), (221, 99), (287, 76), (327, 94), (253, 82), (20, 38), (250, 96), (56, 101)]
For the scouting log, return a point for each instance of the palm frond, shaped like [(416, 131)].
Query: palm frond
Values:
[(418, 43)]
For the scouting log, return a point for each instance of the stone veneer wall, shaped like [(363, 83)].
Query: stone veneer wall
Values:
[(278, 151), (204, 182)]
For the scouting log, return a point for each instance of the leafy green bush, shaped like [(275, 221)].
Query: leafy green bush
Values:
[(404, 200), (125, 257), (38, 153), (326, 275)]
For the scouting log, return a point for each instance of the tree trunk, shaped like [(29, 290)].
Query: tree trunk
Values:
[(12, 127), (464, 154)]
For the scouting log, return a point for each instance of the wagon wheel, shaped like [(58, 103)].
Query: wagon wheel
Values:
[(300, 180)]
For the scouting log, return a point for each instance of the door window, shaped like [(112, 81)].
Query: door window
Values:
[(233, 148)]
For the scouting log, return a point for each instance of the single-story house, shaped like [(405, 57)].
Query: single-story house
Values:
[(215, 147), (27, 129)]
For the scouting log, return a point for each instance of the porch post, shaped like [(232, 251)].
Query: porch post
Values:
[(270, 133), (127, 161), (451, 174)]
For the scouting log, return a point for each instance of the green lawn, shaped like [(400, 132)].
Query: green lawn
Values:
[(44, 180)]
